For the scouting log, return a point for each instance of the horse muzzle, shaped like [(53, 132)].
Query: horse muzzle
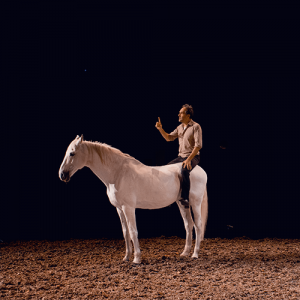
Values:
[(64, 176)]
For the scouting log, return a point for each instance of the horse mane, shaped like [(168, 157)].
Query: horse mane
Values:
[(105, 151)]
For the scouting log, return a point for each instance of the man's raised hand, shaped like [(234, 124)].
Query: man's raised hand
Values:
[(158, 124)]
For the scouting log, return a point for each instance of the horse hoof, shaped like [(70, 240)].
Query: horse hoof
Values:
[(126, 258), (195, 255), (137, 261), (184, 253)]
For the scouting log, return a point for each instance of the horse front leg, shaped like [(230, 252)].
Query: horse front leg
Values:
[(125, 234), (129, 213), (188, 224)]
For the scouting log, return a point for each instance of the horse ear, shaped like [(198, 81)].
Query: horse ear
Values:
[(79, 140), (77, 137), (82, 137)]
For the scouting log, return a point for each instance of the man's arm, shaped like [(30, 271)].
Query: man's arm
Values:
[(198, 142), (163, 133), (187, 162), (194, 152), (198, 146), (198, 136)]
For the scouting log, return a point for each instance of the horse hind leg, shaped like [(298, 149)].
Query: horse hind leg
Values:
[(198, 225), (200, 218), (125, 234), (188, 224), (129, 213)]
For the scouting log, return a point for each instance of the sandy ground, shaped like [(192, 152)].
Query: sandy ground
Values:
[(93, 269)]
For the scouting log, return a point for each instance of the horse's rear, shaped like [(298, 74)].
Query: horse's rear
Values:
[(198, 180), (198, 201)]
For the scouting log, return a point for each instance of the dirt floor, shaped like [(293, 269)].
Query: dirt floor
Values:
[(93, 269)]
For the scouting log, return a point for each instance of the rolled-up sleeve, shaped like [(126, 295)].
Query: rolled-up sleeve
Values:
[(174, 134), (198, 136)]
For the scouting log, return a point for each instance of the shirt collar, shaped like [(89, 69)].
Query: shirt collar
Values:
[(190, 123)]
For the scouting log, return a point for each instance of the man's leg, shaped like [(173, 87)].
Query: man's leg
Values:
[(185, 185), (176, 160)]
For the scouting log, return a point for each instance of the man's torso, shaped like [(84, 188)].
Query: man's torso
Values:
[(189, 136)]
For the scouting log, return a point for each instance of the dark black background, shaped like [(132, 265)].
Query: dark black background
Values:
[(108, 72)]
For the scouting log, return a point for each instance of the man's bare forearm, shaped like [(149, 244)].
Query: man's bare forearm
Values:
[(194, 152), (164, 134)]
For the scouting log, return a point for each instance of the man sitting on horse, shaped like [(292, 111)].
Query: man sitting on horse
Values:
[(189, 135)]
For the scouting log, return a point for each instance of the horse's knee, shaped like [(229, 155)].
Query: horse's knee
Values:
[(133, 233), (125, 233)]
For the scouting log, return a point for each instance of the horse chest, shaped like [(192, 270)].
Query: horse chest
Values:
[(111, 193)]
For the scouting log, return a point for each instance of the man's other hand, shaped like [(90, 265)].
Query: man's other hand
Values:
[(187, 164), (158, 124)]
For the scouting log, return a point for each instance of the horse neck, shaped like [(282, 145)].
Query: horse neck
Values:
[(105, 169)]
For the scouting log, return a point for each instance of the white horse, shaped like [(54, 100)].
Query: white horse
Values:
[(131, 184)]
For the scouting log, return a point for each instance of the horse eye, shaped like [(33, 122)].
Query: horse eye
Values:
[(72, 154)]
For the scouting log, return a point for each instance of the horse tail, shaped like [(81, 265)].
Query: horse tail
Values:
[(204, 213)]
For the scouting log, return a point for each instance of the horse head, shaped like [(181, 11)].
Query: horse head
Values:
[(74, 160)]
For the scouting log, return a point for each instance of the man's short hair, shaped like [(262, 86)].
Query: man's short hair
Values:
[(189, 110)]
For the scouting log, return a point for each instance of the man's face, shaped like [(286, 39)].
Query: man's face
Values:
[(183, 117)]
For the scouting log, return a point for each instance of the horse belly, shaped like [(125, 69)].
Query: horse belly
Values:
[(156, 193), (148, 188), (156, 200)]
